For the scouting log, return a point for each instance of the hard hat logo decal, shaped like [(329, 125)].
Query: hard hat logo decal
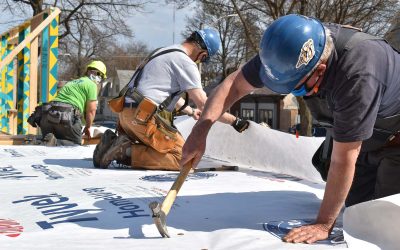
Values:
[(306, 54)]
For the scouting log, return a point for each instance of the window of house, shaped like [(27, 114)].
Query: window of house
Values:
[(248, 114), (265, 115)]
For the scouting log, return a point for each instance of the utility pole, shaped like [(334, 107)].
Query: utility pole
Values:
[(173, 23), (200, 64)]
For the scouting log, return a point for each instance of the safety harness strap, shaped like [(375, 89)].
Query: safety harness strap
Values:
[(348, 37), (148, 59), (136, 77)]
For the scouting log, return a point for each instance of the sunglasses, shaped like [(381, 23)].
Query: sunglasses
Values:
[(205, 58), (97, 73)]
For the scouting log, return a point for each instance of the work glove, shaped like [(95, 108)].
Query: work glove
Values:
[(240, 125)]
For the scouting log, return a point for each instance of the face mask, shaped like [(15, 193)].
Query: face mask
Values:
[(302, 91), (96, 79)]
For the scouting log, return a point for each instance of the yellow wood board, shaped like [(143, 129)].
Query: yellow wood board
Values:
[(20, 139)]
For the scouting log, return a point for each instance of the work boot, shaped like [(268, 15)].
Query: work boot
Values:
[(33, 140), (116, 152), (50, 140), (106, 140)]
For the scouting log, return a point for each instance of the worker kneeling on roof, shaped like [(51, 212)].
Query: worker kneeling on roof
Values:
[(61, 119), (164, 82)]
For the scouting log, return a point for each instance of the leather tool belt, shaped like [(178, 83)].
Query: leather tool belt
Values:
[(159, 132), (59, 112)]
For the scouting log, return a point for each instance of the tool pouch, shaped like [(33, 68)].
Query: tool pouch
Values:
[(67, 117), (117, 104), (54, 116), (321, 163), (61, 114), (322, 157), (34, 118), (160, 135), (145, 110)]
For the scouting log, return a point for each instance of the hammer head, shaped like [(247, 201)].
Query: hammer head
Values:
[(159, 218)]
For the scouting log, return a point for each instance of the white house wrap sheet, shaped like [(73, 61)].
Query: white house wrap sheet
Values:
[(53, 198)]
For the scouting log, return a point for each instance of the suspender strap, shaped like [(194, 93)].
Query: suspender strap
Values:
[(125, 89), (168, 100), (140, 69), (138, 75), (348, 37)]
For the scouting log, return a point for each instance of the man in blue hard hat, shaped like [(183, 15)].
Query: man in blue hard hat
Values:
[(147, 137), (350, 81)]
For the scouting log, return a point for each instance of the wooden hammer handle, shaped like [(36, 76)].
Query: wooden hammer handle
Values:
[(173, 192)]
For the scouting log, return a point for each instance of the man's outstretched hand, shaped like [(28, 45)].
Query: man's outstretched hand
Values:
[(240, 125), (194, 147), (308, 234), (86, 131)]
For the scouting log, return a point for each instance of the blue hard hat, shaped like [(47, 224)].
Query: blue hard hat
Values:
[(211, 39), (290, 48)]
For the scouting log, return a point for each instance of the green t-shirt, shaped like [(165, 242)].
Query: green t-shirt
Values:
[(78, 92)]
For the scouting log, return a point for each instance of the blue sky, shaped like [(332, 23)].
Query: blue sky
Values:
[(155, 27)]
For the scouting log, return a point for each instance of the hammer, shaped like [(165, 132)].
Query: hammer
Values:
[(160, 211)]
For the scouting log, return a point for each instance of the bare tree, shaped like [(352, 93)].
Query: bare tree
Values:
[(393, 34), (92, 44), (125, 56), (372, 16), (246, 27), (104, 14), (85, 25), (235, 44)]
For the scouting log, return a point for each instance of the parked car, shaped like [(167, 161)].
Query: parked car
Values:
[(108, 124), (316, 130)]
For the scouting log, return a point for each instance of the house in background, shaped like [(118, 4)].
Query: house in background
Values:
[(264, 106), (109, 90), (120, 80)]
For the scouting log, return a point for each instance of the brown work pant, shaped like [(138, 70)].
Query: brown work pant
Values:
[(144, 155)]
